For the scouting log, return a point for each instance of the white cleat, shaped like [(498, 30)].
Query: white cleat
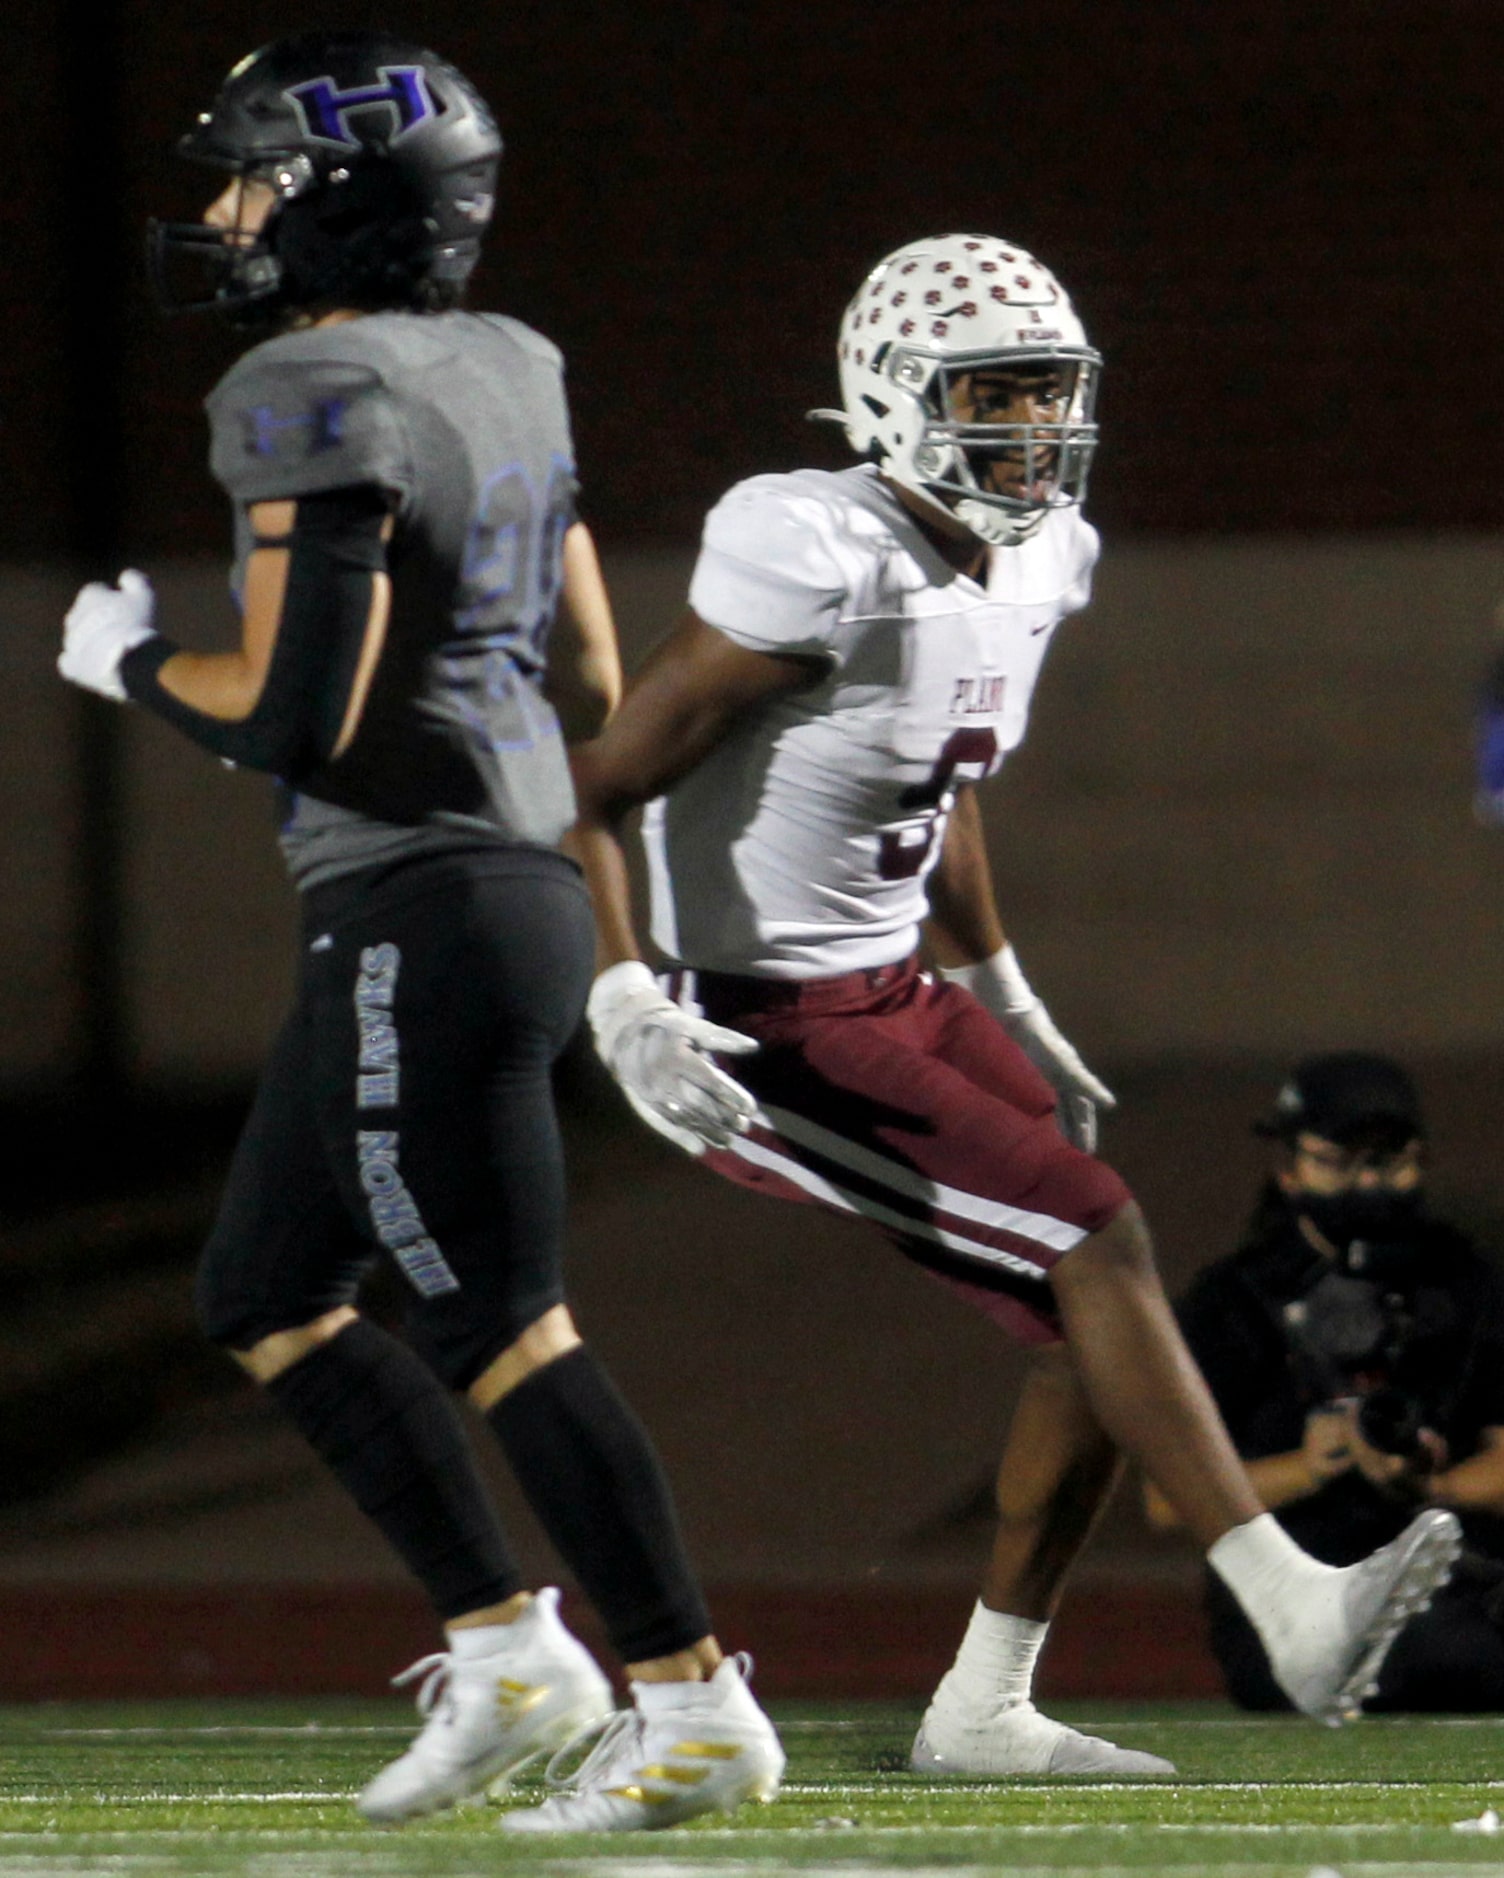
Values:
[(706, 1755), (488, 1716), (1017, 1739), (1331, 1675)]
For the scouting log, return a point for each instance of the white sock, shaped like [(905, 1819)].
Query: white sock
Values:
[(1269, 1575), (995, 1663)]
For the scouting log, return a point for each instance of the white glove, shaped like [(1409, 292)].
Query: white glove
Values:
[(999, 985), (103, 624), (660, 1056)]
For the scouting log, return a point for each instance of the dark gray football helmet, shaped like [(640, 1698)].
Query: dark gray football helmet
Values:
[(382, 159)]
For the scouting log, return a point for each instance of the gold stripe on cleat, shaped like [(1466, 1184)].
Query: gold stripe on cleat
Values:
[(681, 1776), (707, 1750), (516, 1699)]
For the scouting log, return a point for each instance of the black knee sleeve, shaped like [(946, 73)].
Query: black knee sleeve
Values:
[(378, 1419), (591, 1476)]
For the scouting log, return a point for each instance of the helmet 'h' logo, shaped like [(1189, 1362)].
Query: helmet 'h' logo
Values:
[(324, 109)]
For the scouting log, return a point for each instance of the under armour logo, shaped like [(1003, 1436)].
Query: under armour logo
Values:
[(320, 428), (325, 110)]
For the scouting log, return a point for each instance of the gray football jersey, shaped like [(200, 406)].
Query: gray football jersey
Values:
[(461, 418)]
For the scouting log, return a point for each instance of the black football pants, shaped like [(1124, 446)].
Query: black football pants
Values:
[(407, 1109)]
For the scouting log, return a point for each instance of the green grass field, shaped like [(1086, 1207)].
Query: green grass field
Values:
[(263, 1790)]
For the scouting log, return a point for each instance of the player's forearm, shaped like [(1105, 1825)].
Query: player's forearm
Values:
[(208, 701), (614, 775), (583, 697), (584, 680), (598, 849), (959, 934), (313, 623), (964, 926), (286, 713), (228, 685), (222, 685), (596, 842)]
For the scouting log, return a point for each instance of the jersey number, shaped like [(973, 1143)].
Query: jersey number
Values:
[(904, 851), (512, 568), (510, 580)]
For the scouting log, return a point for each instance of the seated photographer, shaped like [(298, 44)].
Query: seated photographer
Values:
[(1355, 1345)]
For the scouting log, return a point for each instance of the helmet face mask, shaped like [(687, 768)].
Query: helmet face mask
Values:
[(381, 161), (967, 376), (225, 266), (1003, 473)]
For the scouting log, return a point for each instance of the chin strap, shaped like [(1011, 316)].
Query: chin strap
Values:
[(989, 524), (994, 526), (997, 525)]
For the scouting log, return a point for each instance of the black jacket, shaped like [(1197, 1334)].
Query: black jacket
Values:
[(1444, 1346)]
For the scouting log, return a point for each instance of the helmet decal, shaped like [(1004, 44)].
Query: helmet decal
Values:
[(323, 107), (262, 428)]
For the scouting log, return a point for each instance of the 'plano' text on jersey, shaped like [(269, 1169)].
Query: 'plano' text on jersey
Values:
[(976, 696)]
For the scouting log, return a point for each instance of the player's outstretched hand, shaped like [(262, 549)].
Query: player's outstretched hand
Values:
[(660, 1055), (102, 625), (1000, 985)]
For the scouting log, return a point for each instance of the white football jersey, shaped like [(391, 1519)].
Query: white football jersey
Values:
[(799, 848)]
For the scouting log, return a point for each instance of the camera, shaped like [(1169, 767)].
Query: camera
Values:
[(1340, 1328), (1391, 1420)]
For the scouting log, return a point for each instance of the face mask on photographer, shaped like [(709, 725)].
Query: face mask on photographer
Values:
[(1362, 1200)]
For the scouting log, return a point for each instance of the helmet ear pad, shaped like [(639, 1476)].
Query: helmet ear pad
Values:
[(368, 235), (361, 233)]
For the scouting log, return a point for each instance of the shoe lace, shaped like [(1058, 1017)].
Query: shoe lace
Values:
[(618, 1737), (436, 1671), (611, 1740)]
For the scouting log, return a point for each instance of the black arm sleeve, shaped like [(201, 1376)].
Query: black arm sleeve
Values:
[(336, 551)]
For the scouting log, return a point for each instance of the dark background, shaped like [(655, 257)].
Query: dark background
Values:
[(1280, 222)]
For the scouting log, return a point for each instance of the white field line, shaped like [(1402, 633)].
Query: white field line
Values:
[(297, 1730), (823, 1834), (332, 1730), (665, 1868), (879, 1790), (865, 1790), (874, 1789), (730, 1868), (153, 1797), (727, 1868), (1265, 1724), (816, 1790)]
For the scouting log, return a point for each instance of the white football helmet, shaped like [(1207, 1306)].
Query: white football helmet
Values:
[(926, 316)]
